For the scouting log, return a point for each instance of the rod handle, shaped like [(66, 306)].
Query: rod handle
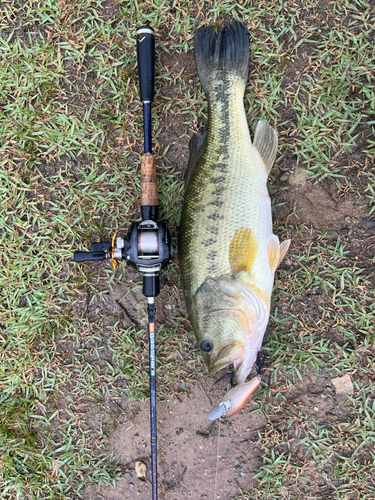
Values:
[(149, 186), (146, 62), (84, 256)]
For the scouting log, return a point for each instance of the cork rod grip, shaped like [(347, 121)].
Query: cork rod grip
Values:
[(149, 186)]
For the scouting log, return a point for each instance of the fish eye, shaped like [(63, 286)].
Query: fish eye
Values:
[(205, 345)]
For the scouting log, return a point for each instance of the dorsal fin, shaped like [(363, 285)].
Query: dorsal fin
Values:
[(265, 140), (196, 146), (242, 251)]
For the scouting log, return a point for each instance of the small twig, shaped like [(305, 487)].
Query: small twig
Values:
[(129, 427), (125, 313), (122, 298)]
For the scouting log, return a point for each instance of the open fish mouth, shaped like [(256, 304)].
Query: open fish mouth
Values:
[(232, 353)]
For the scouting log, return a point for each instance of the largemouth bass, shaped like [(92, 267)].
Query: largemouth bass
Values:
[(227, 250)]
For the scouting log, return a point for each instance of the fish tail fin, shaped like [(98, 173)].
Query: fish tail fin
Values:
[(227, 50)]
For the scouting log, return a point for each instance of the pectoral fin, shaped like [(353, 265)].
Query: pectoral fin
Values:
[(276, 252), (242, 251), (265, 140)]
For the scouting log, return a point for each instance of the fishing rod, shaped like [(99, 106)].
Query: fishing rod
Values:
[(147, 246)]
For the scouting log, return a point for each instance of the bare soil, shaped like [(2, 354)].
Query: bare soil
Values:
[(196, 456), (320, 205)]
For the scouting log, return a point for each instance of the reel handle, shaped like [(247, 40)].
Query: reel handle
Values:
[(85, 256)]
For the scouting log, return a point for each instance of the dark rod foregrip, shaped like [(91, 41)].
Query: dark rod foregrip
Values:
[(83, 256), (147, 128), (146, 62)]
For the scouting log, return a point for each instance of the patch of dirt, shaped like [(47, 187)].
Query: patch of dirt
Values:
[(192, 450), (318, 397), (295, 69), (312, 402), (115, 302), (320, 206), (176, 134)]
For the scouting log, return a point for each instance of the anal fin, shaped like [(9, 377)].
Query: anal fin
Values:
[(283, 249), (276, 252)]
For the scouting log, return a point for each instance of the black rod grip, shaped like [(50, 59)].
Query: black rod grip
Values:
[(151, 285), (147, 128), (146, 62), (83, 256), (149, 212)]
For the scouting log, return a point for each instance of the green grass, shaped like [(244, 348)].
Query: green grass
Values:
[(70, 139)]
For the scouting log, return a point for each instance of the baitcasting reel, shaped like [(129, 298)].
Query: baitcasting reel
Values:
[(147, 248)]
